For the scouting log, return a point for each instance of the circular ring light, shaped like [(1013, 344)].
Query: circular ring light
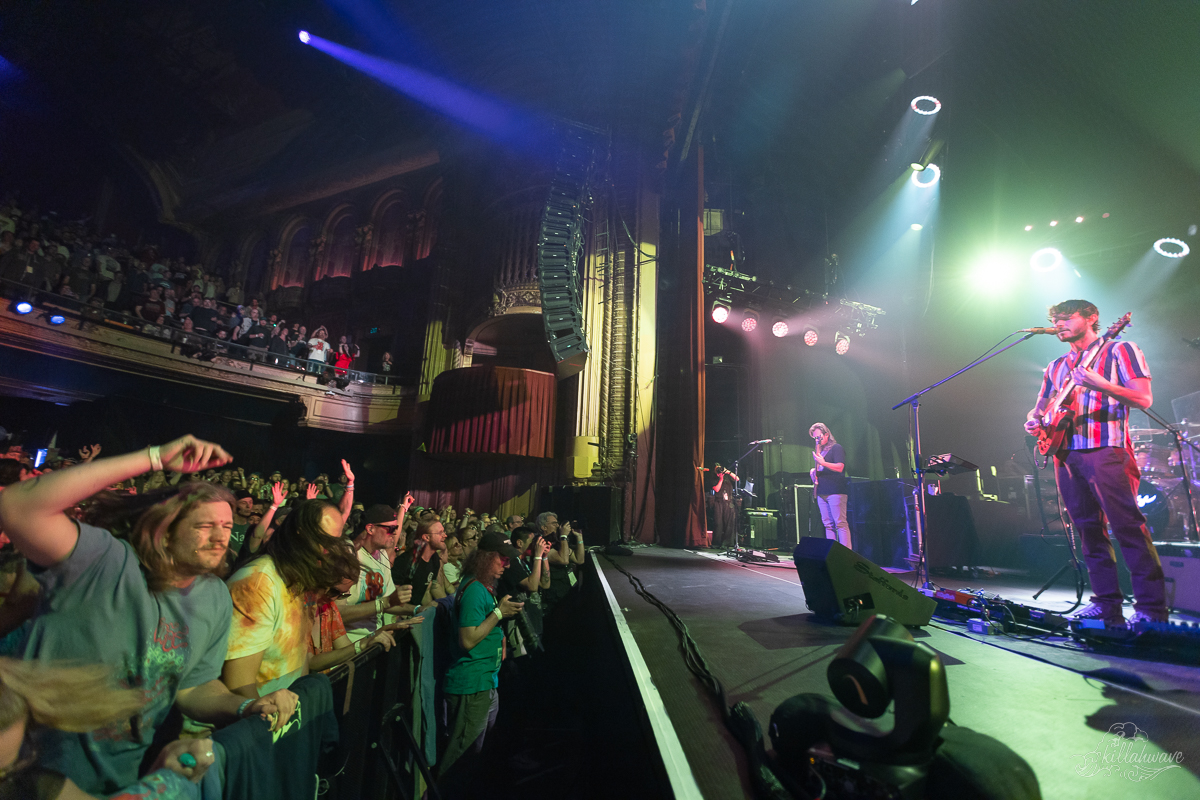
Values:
[(1182, 245), (780, 329), (931, 168), (1046, 259), (927, 111), (720, 314), (810, 336)]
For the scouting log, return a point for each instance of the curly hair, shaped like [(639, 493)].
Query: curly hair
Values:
[(479, 564), (306, 557), (148, 520), (1068, 308)]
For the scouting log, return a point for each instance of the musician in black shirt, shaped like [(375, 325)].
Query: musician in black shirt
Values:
[(832, 484)]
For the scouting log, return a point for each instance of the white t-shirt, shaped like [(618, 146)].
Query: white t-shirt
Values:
[(374, 581), (317, 349)]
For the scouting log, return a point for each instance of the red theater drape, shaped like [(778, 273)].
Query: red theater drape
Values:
[(492, 410)]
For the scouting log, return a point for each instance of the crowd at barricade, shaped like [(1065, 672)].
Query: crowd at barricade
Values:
[(57, 262), (179, 589)]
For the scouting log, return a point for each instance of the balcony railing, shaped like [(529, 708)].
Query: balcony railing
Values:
[(68, 311)]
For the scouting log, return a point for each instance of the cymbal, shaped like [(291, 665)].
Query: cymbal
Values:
[(1150, 431)]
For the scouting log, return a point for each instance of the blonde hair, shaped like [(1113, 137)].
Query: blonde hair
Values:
[(823, 428), (68, 698)]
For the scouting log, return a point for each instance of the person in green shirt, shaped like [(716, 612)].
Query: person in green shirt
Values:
[(471, 682)]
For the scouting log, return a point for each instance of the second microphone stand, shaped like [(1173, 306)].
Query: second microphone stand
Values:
[(914, 400)]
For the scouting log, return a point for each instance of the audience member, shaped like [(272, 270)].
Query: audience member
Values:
[(375, 594), (166, 628)]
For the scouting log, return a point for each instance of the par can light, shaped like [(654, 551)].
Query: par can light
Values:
[(304, 37), (779, 329), (23, 307), (926, 105), (1180, 253), (57, 319), (811, 336), (930, 169)]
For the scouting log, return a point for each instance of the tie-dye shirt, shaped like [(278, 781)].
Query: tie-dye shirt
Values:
[(268, 618)]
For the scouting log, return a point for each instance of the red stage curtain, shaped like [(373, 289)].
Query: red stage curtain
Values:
[(500, 410)]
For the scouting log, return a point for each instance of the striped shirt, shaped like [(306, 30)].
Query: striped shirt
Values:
[(1100, 420)]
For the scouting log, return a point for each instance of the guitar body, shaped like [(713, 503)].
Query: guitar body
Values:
[(1053, 434)]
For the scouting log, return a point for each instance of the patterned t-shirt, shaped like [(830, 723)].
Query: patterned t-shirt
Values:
[(327, 629), (97, 609), (268, 618), (374, 581), (1100, 420)]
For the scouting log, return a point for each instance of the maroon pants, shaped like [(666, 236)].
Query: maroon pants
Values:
[(1102, 483)]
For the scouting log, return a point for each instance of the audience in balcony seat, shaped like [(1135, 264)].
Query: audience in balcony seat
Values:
[(318, 349)]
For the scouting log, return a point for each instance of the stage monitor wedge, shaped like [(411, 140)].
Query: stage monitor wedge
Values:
[(843, 587)]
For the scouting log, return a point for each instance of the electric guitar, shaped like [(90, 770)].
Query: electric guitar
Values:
[(1059, 416)]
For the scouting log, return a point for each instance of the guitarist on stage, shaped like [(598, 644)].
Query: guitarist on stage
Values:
[(1094, 464)]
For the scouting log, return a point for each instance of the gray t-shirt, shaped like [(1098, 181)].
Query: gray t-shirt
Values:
[(97, 608)]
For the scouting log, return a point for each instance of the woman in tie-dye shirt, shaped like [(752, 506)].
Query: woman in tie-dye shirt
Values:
[(274, 596)]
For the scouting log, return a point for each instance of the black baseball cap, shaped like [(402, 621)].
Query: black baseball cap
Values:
[(496, 543), (380, 514)]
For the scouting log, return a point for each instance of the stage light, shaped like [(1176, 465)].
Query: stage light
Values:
[(56, 319), (779, 329), (1104, 215), (916, 226), (304, 37), (926, 105), (750, 320), (1191, 229), (1182, 245), (810, 335), (1079, 219), (917, 166), (1028, 227), (720, 310), (1046, 259), (1053, 223), (937, 176), (841, 344), (23, 307)]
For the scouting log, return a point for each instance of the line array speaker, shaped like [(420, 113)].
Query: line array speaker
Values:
[(560, 242)]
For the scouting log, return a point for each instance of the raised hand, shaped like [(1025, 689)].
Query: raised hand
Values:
[(87, 453), (279, 493), (189, 454), (310, 491), (408, 501), (348, 472)]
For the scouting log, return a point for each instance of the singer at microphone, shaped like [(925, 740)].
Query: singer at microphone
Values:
[(1051, 331)]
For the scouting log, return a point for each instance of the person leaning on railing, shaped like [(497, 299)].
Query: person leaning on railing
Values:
[(149, 604)]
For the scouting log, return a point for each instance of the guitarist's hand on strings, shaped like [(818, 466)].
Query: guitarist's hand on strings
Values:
[(1089, 378)]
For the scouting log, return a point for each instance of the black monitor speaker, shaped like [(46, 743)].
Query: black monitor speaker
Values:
[(843, 587)]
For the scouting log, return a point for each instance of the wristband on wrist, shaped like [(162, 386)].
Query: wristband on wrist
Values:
[(242, 708), (499, 614), (155, 453)]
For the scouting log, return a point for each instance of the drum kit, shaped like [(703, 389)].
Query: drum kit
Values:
[(1162, 494)]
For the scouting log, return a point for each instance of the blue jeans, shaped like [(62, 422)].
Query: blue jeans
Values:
[(833, 517)]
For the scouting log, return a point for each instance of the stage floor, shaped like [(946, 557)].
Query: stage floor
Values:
[(751, 625)]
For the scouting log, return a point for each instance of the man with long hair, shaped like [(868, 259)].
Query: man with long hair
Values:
[(150, 604), (273, 596), (471, 682), (832, 486), (1095, 469)]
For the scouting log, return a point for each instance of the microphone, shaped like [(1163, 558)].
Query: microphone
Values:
[(1051, 331), (763, 441)]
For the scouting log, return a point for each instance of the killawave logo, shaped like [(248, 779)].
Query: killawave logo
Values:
[(1124, 751), (879, 577)]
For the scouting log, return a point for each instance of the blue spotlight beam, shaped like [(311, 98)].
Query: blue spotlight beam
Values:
[(489, 116)]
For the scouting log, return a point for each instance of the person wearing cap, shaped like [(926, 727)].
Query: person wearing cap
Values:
[(375, 594), (471, 683)]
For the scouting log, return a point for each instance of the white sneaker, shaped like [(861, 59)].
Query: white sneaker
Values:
[(1095, 611)]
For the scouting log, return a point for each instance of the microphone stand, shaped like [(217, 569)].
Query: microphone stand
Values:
[(919, 470), (1180, 441), (737, 470)]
